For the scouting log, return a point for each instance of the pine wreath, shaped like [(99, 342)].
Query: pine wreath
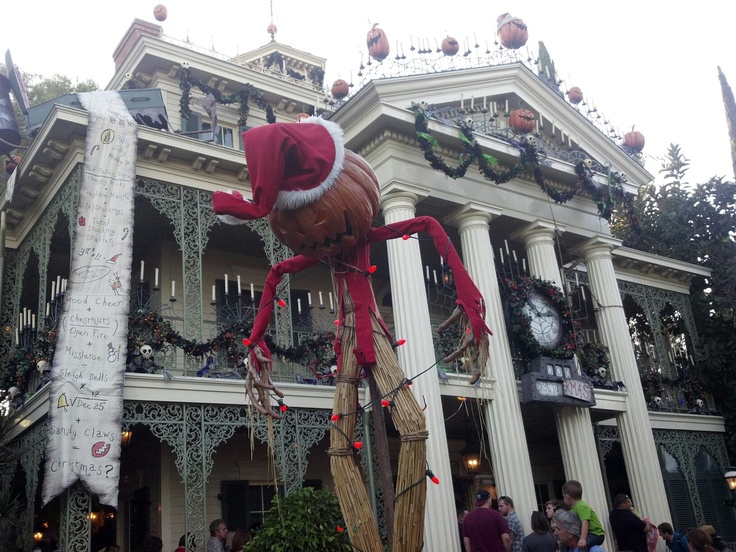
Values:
[(518, 291)]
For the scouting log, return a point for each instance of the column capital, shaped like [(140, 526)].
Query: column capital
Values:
[(401, 189), (596, 246), (536, 230), (472, 210)]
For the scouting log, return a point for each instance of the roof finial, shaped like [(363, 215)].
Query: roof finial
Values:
[(272, 29)]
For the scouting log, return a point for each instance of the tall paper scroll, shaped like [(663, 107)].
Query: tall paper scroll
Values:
[(88, 369)]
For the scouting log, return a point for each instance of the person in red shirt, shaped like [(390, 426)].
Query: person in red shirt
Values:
[(485, 529)]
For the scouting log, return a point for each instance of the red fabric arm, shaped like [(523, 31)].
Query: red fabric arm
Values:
[(468, 295), (265, 309)]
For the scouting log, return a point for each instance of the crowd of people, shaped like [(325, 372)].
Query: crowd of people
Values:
[(571, 525)]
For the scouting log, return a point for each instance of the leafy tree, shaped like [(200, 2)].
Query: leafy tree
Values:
[(695, 224), (305, 521), (41, 89)]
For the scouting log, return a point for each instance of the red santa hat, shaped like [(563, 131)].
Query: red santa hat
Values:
[(290, 165)]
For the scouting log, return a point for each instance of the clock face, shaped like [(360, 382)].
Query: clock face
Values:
[(545, 321)]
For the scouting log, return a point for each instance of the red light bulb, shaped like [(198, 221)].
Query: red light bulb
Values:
[(335, 417), (434, 479), (281, 303), (246, 342), (405, 237), (372, 269), (358, 445), (385, 402), (340, 528)]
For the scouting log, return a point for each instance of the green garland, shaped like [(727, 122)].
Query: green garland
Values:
[(607, 200), (17, 367), (521, 334), (242, 97), (149, 327)]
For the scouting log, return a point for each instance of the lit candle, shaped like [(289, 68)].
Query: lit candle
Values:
[(523, 264), (225, 285), (427, 267), (53, 290), (485, 98), (321, 304), (434, 276), (63, 285), (462, 105), (506, 245), (500, 250), (58, 284), (17, 341), (507, 106), (472, 99), (252, 293), (536, 127), (155, 278), (582, 293), (514, 253), (25, 317), (33, 321), (48, 309), (141, 271), (493, 108), (299, 305), (173, 288), (239, 290), (309, 298), (332, 306), (20, 321), (213, 294)]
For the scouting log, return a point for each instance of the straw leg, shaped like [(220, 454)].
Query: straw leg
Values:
[(411, 486), (349, 484)]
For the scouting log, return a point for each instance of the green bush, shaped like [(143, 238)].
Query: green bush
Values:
[(304, 521)]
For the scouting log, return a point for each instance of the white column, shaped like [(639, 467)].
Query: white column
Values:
[(509, 451), (539, 242), (411, 319), (574, 426), (634, 426)]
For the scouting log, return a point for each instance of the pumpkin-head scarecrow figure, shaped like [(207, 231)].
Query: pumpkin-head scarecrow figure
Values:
[(321, 200)]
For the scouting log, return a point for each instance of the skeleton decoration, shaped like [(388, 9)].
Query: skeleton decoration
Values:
[(321, 200), (144, 362)]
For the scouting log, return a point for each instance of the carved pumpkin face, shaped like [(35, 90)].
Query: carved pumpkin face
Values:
[(512, 31), (377, 43), (522, 120), (340, 89), (336, 221), (450, 46)]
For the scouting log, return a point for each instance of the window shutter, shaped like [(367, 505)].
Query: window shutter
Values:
[(678, 498), (193, 123), (234, 496)]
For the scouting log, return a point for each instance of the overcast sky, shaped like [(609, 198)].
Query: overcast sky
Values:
[(642, 63)]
